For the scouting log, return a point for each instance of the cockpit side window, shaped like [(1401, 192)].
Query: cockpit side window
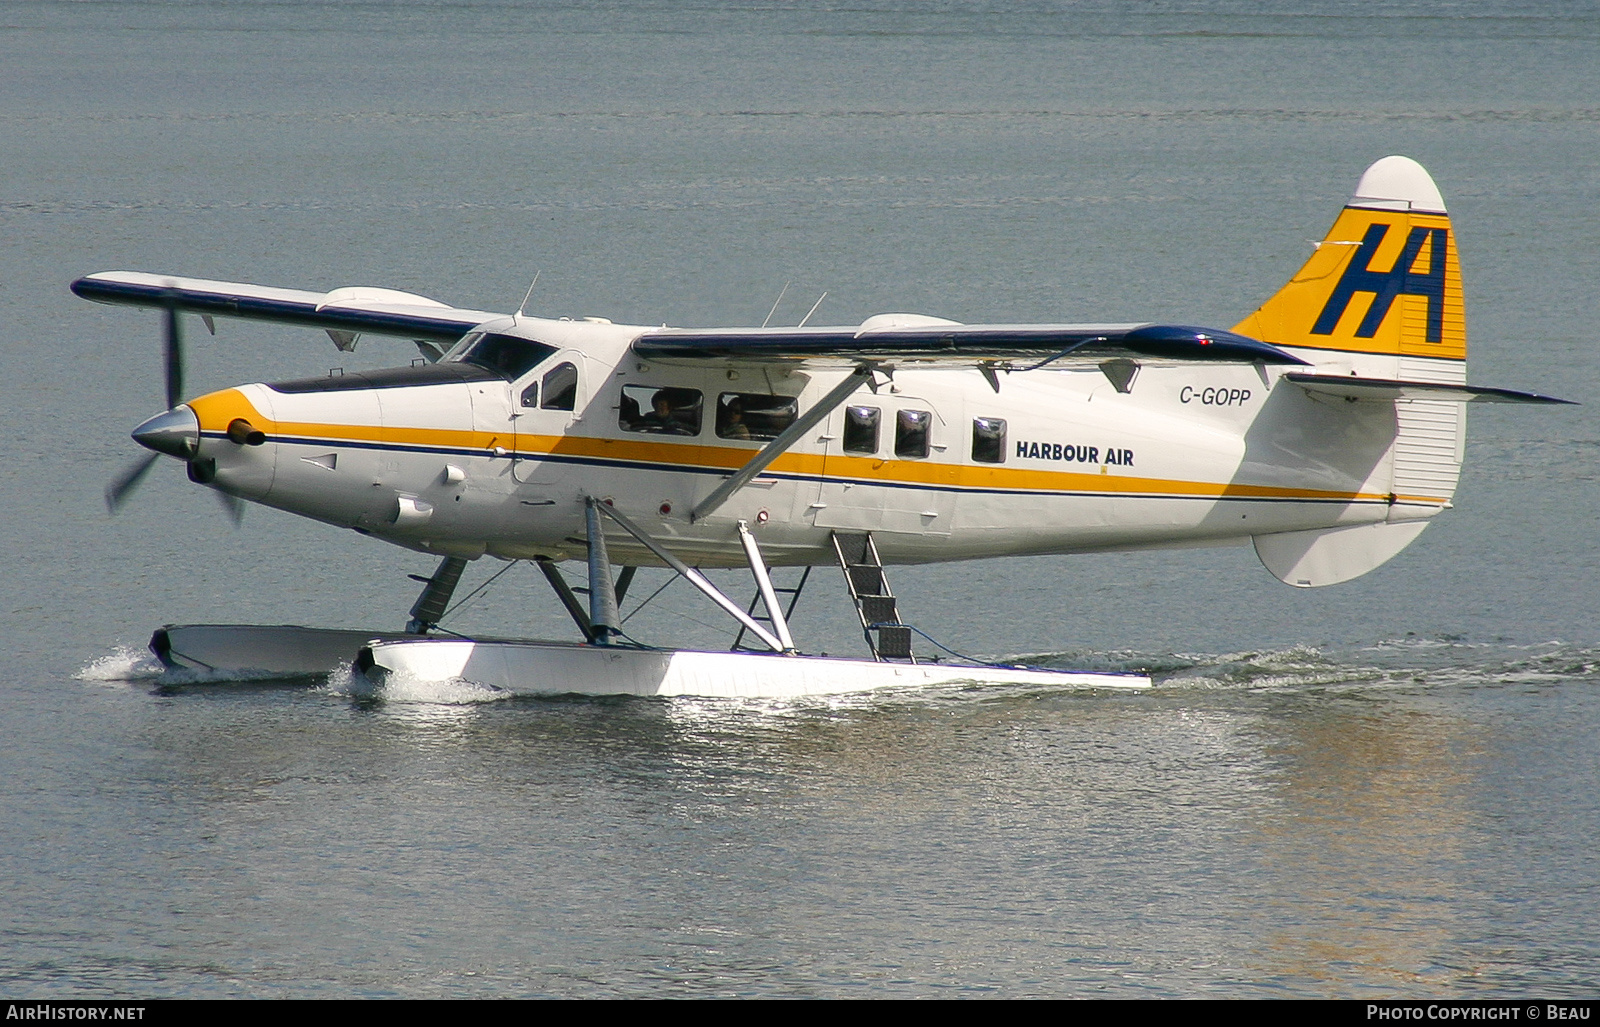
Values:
[(561, 387), (506, 355), (660, 411)]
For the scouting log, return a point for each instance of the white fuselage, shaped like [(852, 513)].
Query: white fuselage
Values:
[(1192, 455)]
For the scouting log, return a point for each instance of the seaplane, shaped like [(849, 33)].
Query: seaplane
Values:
[(1326, 429)]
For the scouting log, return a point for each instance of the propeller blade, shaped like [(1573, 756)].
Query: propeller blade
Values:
[(234, 505), (174, 347), (119, 490)]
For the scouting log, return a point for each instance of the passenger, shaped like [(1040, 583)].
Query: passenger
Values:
[(733, 426)]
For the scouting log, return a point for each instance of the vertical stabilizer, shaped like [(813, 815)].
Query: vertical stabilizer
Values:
[(1380, 297), (1385, 280), (1382, 292)]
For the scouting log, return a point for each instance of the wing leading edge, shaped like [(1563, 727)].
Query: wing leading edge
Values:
[(1000, 346), (379, 311)]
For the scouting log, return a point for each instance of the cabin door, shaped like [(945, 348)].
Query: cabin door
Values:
[(545, 406), (885, 468)]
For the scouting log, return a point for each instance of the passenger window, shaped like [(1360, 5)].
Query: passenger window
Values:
[(989, 440), (660, 411), (861, 429), (755, 417), (560, 388), (911, 433)]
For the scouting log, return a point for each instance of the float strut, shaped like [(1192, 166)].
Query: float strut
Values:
[(603, 619), (758, 567), (436, 592), (623, 581), (693, 576), (564, 593)]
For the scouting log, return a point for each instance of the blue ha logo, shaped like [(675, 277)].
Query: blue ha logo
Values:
[(1386, 285)]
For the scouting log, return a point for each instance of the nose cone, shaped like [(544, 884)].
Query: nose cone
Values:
[(175, 433)]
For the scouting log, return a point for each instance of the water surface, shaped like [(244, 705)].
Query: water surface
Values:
[(1386, 787)]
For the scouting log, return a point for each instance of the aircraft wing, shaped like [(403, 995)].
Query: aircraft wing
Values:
[(931, 341), (343, 313)]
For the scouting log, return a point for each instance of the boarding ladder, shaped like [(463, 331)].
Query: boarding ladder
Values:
[(875, 604), (764, 617)]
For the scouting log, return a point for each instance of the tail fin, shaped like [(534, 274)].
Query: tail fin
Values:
[(1380, 298), (1385, 280)]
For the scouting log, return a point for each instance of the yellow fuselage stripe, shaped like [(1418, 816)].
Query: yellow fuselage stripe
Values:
[(218, 409)]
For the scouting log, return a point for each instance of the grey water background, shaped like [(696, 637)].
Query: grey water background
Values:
[(1383, 788)]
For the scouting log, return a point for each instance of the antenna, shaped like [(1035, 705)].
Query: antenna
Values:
[(528, 295), (775, 303), (813, 310)]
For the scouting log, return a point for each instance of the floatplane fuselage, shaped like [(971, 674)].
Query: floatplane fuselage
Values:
[(445, 458), (1328, 427)]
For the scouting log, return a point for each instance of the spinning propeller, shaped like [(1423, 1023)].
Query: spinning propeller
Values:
[(174, 433)]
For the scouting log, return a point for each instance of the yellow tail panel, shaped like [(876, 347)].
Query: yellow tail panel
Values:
[(1385, 280)]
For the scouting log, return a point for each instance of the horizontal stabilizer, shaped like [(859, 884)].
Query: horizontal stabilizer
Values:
[(1384, 390), (955, 345), (1327, 556), (349, 310)]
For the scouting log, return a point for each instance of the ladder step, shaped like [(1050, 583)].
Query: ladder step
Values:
[(875, 602), (894, 642), (852, 547), (867, 581), (435, 598), (879, 610)]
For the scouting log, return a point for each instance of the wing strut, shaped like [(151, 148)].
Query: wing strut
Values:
[(778, 446)]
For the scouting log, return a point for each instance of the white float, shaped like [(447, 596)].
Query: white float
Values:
[(557, 668), (259, 650)]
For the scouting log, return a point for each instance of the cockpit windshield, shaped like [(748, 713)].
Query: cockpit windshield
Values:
[(503, 354)]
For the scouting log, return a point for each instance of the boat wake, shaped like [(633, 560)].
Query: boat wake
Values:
[(398, 688), (1408, 662), (136, 665)]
